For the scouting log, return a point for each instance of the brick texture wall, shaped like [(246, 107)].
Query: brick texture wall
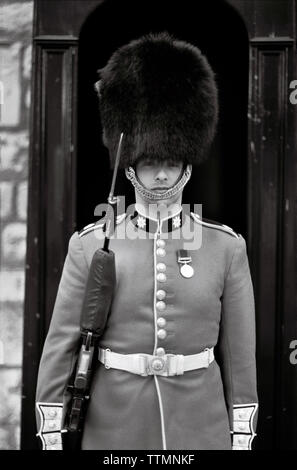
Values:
[(16, 19)]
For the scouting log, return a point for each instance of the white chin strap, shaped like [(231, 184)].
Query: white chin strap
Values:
[(154, 195)]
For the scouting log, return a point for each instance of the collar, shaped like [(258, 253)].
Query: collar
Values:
[(152, 225)]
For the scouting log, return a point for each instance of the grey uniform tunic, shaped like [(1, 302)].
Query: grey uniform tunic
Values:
[(214, 308)]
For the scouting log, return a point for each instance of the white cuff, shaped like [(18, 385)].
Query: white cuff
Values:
[(50, 425), (243, 429)]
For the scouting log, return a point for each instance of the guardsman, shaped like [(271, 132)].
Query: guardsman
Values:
[(176, 362)]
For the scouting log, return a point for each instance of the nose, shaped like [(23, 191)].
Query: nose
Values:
[(161, 175)]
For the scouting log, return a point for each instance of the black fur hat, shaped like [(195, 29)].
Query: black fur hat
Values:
[(161, 93)]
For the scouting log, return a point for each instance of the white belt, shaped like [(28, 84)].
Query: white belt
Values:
[(147, 364)]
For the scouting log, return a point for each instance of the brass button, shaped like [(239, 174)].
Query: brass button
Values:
[(160, 352), (161, 267), (161, 252), (161, 322), (161, 294), (161, 277), (52, 424), (162, 334), (52, 413), (157, 364), (161, 305), (52, 440), (160, 243)]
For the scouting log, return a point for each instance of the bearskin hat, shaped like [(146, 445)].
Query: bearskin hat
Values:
[(161, 93)]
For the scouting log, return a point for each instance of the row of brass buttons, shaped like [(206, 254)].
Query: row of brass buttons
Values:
[(161, 294)]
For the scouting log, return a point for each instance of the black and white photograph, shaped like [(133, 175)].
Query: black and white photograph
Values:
[(148, 267)]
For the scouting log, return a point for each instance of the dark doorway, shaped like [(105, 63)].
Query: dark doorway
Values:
[(220, 184)]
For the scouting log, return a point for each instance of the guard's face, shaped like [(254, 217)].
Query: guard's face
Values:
[(158, 176)]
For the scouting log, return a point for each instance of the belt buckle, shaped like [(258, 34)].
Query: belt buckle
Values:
[(157, 365)]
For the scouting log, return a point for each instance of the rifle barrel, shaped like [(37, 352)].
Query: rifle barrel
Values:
[(111, 199), (115, 171)]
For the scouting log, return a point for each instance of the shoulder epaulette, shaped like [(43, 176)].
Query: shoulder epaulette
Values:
[(213, 224), (99, 225), (89, 228)]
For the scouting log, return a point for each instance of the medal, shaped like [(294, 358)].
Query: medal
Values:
[(184, 259), (186, 270)]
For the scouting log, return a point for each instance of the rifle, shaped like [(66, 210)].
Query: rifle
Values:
[(96, 306)]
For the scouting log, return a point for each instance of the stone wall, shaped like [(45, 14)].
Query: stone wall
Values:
[(16, 19)]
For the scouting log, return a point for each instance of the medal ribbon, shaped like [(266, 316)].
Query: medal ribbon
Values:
[(183, 257)]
